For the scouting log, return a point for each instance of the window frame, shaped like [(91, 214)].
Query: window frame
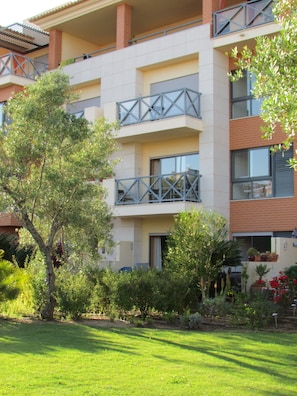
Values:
[(154, 163), (248, 98), (260, 186)]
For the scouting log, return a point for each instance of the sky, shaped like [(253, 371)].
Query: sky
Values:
[(18, 10)]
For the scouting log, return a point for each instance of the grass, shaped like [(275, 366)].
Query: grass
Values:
[(78, 359)]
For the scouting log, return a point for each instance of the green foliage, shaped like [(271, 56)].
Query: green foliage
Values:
[(177, 292), (215, 307), (261, 270), (104, 290), (273, 64), (191, 321), (10, 279), (137, 289), (14, 252), (255, 313), (37, 282), (73, 293), (51, 167), (198, 246), (291, 272)]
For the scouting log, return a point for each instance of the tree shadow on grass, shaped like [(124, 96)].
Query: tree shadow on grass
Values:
[(38, 337), (270, 354), (267, 353)]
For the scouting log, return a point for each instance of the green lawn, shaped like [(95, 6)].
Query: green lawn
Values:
[(78, 359)]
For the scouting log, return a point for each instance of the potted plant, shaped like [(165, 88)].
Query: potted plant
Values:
[(272, 256), (264, 256), (252, 253), (261, 270)]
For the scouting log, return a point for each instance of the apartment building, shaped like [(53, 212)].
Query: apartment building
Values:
[(188, 138)]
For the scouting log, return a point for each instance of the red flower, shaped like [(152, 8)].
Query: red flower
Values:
[(283, 278), (295, 281), (274, 284)]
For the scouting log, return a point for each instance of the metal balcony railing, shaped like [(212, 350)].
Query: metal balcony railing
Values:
[(22, 66), (149, 108), (242, 16), (173, 187)]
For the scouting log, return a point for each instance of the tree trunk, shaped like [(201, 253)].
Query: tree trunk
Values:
[(47, 312)]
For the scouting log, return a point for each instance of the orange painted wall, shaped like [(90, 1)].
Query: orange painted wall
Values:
[(9, 91), (263, 215)]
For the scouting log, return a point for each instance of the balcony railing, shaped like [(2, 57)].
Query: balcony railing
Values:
[(242, 16), (173, 187), (149, 108), (22, 66), (165, 32)]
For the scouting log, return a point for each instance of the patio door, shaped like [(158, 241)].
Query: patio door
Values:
[(158, 249)]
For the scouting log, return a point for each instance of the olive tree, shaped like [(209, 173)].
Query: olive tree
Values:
[(51, 169), (273, 63)]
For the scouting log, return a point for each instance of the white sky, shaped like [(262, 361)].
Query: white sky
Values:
[(13, 11)]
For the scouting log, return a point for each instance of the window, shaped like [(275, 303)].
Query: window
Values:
[(78, 108), (176, 164), (2, 114), (256, 173), (243, 104)]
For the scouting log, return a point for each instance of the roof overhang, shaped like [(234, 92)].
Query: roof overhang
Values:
[(23, 38)]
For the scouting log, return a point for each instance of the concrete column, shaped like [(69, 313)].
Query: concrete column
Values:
[(124, 12), (55, 49), (214, 140)]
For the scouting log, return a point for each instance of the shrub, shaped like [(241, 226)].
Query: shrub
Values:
[(37, 282), (213, 307), (139, 290), (104, 290), (256, 313), (10, 279), (175, 292), (73, 293), (191, 321)]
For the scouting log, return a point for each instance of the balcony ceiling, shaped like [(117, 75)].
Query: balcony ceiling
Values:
[(95, 20)]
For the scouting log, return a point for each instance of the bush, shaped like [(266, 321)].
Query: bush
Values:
[(138, 290), (215, 307), (191, 321), (37, 282), (104, 290), (73, 293), (10, 279), (176, 292), (256, 313)]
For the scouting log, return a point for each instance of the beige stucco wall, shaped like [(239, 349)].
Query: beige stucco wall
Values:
[(89, 91), (168, 72), (186, 145), (73, 46)]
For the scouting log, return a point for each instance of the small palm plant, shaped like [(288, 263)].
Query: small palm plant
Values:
[(261, 270)]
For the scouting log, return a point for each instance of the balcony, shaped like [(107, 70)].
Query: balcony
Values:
[(156, 107), (21, 66), (172, 187), (242, 16)]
